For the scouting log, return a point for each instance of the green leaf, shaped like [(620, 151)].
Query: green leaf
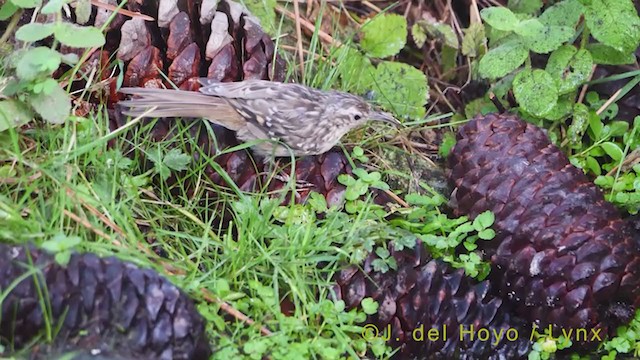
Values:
[(564, 13), (474, 38), (369, 306), (448, 142), (27, 4), (614, 23), (525, 6), (419, 34), (439, 31), (34, 31), (7, 10), (78, 36), (384, 36), (502, 60), (593, 165), (613, 150), (579, 125), (483, 220), (606, 55), (400, 88), (548, 38), (37, 61), (529, 28), (53, 6), (83, 11), (499, 18), (487, 234), (61, 242), (355, 71), (618, 128), (535, 91), (13, 114), (53, 107), (562, 109), (176, 160), (569, 67)]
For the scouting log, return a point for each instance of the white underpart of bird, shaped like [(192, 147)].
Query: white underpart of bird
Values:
[(309, 121)]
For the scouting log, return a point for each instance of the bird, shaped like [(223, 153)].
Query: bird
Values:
[(299, 119)]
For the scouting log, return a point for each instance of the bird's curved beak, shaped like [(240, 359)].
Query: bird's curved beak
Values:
[(385, 117)]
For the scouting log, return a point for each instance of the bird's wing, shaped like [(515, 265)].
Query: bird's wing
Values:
[(247, 89)]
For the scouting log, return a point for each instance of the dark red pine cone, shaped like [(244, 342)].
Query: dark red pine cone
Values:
[(560, 252), (97, 302), (427, 297)]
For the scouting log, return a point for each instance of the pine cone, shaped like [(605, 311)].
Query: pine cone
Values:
[(560, 251), (106, 297), (425, 294)]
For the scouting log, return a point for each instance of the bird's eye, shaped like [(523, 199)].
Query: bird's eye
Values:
[(357, 117)]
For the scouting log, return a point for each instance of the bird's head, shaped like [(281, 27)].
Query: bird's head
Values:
[(350, 111)]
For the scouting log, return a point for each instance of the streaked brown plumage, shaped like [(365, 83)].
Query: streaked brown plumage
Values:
[(309, 121)]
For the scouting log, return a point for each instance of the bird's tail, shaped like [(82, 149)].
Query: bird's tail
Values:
[(159, 103)]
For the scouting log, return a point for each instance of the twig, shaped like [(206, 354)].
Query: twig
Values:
[(88, 225), (496, 102), (31, 178), (309, 26), (371, 6), (233, 311), (119, 10), (583, 92), (397, 198), (609, 102), (296, 10)]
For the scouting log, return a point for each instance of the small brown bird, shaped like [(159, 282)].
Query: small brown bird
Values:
[(307, 120)]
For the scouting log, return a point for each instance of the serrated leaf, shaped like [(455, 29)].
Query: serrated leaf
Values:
[(606, 55), (474, 38), (7, 10), (176, 160), (78, 36), (564, 13), (525, 6), (53, 107), (27, 4), (13, 114), (570, 67), (400, 88), (499, 18), (384, 36), (614, 23), (439, 31), (548, 38), (355, 71), (418, 34), (37, 61), (613, 150), (535, 91), (502, 60), (34, 31)]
